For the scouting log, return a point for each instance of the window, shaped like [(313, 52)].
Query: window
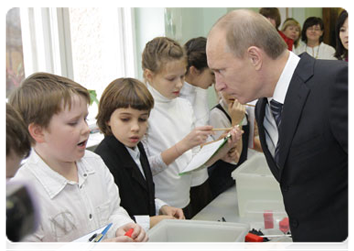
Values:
[(14, 52), (92, 46)]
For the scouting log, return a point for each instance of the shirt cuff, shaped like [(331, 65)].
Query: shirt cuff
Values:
[(158, 204), (143, 221), (156, 163)]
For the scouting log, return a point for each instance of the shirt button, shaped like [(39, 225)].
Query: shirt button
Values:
[(90, 216), (85, 174)]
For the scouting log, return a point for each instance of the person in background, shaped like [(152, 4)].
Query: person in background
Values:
[(302, 116), (77, 191), (122, 117), (292, 29), (342, 39), (312, 40), (18, 141), (273, 16), (171, 131), (195, 89)]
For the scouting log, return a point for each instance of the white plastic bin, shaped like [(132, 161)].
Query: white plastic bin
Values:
[(198, 231), (257, 189)]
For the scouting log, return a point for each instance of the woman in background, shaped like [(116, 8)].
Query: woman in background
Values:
[(312, 38), (342, 41), (292, 29)]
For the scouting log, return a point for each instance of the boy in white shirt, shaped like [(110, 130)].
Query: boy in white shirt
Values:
[(76, 191)]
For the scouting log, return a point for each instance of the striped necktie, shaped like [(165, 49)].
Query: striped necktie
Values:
[(276, 109)]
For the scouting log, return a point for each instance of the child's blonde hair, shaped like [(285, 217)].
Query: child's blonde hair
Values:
[(122, 93), (42, 95), (159, 51)]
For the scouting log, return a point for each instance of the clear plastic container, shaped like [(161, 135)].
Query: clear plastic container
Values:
[(257, 189), (198, 231)]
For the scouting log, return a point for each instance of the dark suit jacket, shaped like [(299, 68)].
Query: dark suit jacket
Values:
[(136, 193), (313, 154)]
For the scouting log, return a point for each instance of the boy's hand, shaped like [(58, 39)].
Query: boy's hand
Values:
[(175, 212), (138, 235), (156, 219)]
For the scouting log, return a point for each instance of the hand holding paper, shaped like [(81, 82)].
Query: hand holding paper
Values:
[(210, 153)]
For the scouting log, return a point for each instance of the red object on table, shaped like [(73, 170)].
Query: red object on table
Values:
[(268, 219), (129, 232), (253, 238), (284, 225)]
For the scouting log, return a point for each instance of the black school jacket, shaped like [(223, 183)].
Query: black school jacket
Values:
[(136, 193)]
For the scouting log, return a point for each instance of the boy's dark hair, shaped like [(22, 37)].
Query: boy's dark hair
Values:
[(42, 95), (196, 53), (18, 140), (272, 13), (309, 22), (122, 93)]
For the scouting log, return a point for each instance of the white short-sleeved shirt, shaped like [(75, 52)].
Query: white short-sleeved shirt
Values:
[(69, 210)]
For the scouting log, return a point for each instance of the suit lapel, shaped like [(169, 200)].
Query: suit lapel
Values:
[(294, 103), (148, 175), (128, 162)]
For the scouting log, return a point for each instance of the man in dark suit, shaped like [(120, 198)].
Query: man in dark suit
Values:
[(302, 116)]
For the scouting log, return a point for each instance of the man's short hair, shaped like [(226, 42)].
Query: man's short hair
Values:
[(18, 140), (246, 28), (42, 95)]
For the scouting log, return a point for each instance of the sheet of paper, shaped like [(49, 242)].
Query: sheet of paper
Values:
[(205, 153), (82, 243)]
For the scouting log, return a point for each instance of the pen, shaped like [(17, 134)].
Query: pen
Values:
[(92, 237), (95, 241), (99, 237), (275, 235), (221, 129)]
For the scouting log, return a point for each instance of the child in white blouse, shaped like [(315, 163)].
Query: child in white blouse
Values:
[(76, 191), (172, 133), (195, 89), (230, 112)]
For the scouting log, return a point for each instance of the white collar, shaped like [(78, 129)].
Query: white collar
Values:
[(135, 153), (188, 88), (52, 181), (283, 83), (158, 97)]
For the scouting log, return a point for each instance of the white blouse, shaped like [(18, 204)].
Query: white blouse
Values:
[(169, 122), (198, 97), (322, 51)]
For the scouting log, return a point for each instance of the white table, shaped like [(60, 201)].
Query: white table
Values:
[(226, 206)]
